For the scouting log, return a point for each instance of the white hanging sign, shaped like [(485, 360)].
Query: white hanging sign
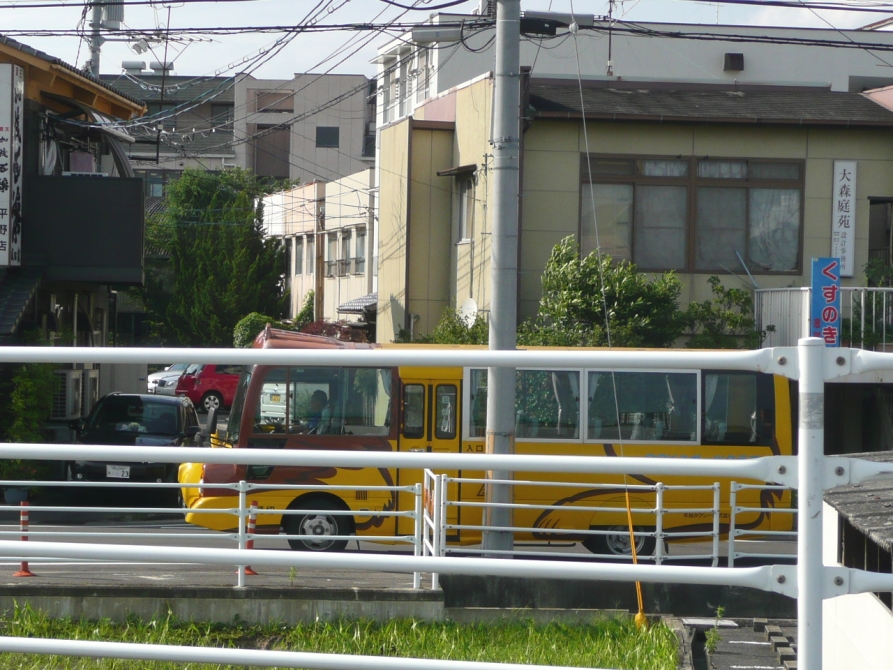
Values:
[(843, 216)]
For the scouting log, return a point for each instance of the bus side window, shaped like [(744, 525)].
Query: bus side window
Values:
[(738, 408), (413, 411), (648, 406)]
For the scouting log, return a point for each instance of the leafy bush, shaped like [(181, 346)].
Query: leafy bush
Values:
[(250, 326), (725, 322), (594, 301), (306, 314), (453, 329)]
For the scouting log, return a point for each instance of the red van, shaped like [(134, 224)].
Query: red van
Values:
[(210, 386)]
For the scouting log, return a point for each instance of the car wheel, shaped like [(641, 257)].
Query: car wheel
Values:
[(211, 400), (320, 525), (618, 543)]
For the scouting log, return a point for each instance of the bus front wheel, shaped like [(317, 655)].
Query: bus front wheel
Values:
[(618, 543), (318, 524)]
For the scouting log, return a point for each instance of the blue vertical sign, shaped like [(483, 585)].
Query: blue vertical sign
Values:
[(824, 317)]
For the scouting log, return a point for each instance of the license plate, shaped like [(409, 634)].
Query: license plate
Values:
[(275, 398), (117, 471)]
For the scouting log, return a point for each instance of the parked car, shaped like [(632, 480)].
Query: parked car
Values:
[(210, 386), (169, 376), (135, 419)]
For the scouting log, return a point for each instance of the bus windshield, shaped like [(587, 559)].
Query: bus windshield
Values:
[(235, 416)]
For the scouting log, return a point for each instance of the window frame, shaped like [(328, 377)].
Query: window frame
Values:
[(328, 137), (693, 183)]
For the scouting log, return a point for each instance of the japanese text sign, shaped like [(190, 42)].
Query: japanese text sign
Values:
[(824, 315), (843, 216), (12, 107)]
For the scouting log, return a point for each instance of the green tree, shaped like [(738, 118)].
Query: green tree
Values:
[(724, 322), (221, 266), (575, 310)]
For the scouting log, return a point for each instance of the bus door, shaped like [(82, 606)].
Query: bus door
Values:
[(429, 422)]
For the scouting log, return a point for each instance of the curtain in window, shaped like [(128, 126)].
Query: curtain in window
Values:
[(774, 228)]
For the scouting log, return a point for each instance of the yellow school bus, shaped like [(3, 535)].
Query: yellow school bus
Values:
[(718, 414)]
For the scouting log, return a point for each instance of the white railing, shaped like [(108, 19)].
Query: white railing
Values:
[(810, 472), (735, 551), (436, 514), (866, 316), (244, 510)]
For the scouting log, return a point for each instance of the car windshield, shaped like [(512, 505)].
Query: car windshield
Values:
[(193, 369), (135, 415), (176, 367)]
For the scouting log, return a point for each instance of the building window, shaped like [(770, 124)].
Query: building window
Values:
[(694, 215), (271, 146), (299, 256), (271, 101), (332, 254), (465, 209), (344, 261), (360, 255), (327, 137), (311, 255), (423, 74), (222, 116)]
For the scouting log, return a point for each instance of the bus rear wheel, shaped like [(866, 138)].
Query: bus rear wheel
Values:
[(318, 524), (618, 542)]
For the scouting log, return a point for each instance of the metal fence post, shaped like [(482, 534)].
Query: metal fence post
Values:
[(438, 530), (659, 524), (242, 535), (733, 500), (716, 511), (419, 537), (810, 569)]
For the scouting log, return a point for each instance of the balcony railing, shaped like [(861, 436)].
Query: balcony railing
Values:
[(866, 316)]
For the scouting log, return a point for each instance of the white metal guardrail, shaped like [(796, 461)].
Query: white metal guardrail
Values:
[(867, 314), (242, 511), (810, 472), (436, 514), (735, 550)]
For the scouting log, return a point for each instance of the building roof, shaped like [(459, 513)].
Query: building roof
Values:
[(177, 88), (31, 51), (703, 103), (869, 506), (356, 305)]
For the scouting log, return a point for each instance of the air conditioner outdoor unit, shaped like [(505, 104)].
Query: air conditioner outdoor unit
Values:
[(67, 397), (89, 391)]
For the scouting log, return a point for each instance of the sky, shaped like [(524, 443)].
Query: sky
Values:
[(340, 52)]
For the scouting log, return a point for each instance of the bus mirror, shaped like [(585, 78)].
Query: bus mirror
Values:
[(212, 421)]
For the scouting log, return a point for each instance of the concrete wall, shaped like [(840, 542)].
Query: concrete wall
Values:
[(349, 210), (312, 94), (430, 238), (858, 629), (552, 183), (393, 221)]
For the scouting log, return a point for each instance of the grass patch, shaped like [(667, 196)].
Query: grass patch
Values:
[(602, 643)]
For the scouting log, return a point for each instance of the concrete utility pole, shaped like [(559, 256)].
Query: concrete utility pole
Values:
[(506, 139), (96, 40)]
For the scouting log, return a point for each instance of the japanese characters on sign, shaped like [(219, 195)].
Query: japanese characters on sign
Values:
[(12, 97), (843, 216), (824, 315)]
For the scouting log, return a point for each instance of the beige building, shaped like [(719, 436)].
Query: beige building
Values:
[(311, 127), (326, 226), (701, 179)]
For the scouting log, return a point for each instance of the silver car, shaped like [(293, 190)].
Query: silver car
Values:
[(164, 382)]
